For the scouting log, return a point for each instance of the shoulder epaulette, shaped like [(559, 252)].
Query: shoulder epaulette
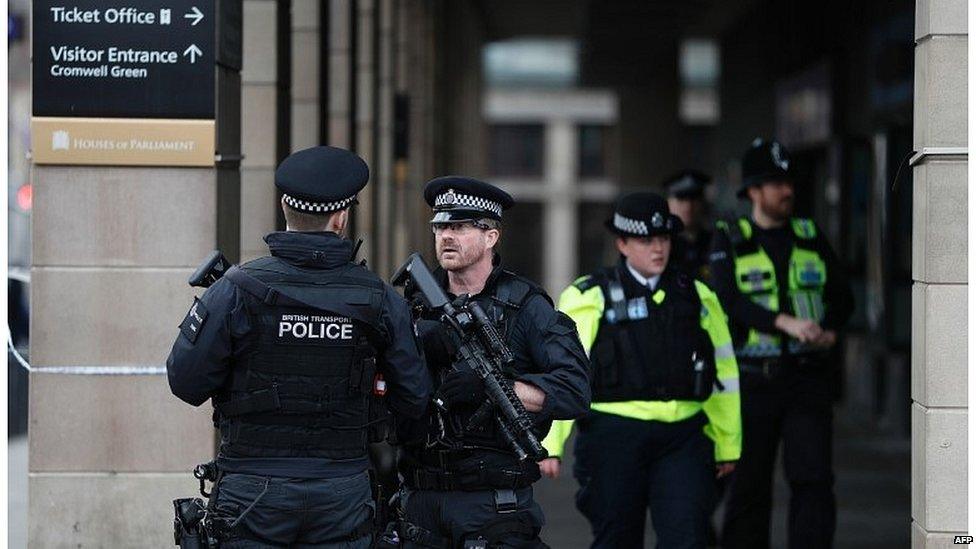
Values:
[(584, 283)]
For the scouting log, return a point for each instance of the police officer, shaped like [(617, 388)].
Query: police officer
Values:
[(664, 422), (787, 295), (686, 199), (294, 349), (465, 487)]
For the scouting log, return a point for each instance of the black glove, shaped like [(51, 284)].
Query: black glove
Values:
[(438, 344), (462, 387)]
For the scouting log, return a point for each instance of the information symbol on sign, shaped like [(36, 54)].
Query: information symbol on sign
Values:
[(164, 16), (60, 140)]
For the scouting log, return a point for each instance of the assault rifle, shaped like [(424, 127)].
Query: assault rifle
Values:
[(483, 351)]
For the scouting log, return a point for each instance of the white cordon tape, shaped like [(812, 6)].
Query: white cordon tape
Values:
[(84, 370)]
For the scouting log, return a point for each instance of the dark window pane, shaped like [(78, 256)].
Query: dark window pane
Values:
[(595, 243), (593, 151), (516, 150), (521, 242)]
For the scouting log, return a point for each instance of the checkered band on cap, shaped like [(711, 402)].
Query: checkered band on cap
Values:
[(459, 201), (317, 207), (628, 225)]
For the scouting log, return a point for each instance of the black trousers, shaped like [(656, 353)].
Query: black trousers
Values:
[(792, 406), (275, 512), (454, 517), (625, 466)]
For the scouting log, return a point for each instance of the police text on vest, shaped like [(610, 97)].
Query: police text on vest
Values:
[(315, 327)]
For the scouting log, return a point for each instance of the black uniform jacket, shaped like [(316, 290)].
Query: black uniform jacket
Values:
[(198, 370), (778, 244), (546, 348)]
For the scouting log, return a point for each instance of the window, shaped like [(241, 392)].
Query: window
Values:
[(700, 68), (531, 62), (593, 151), (516, 150)]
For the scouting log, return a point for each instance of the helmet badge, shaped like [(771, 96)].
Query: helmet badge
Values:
[(777, 154)]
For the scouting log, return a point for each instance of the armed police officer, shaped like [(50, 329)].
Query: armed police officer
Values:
[(464, 485), (686, 199), (294, 350), (665, 419), (787, 295)]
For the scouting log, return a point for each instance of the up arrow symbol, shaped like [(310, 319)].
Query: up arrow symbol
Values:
[(195, 14), (193, 51)]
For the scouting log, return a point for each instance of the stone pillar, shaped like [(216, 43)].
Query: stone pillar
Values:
[(939, 270), (340, 71), (364, 120), (559, 263), (259, 123), (112, 248), (382, 182), (305, 63)]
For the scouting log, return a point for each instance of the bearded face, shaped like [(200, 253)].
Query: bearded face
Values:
[(775, 199), (461, 245)]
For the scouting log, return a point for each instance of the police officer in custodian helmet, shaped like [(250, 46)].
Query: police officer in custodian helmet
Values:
[(787, 295), (291, 349)]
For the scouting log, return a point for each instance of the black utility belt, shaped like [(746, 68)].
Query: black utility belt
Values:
[(474, 480)]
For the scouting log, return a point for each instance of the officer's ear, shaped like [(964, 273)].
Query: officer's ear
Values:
[(621, 242), (338, 221), (491, 237)]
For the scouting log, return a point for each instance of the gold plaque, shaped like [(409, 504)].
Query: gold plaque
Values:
[(122, 141)]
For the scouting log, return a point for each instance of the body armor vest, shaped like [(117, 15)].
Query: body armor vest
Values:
[(305, 371), (755, 277), (510, 293), (649, 346)]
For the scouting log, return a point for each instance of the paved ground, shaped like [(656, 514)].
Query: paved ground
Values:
[(873, 493), (873, 497)]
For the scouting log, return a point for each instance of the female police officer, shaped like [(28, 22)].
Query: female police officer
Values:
[(656, 428)]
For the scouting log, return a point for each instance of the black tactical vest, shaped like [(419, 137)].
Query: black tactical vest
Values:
[(649, 349), (305, 372), (502, 302)]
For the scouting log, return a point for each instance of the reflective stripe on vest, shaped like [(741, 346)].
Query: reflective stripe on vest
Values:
[(755, 276)]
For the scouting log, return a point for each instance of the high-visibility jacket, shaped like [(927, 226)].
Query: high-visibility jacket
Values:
[(755, 277), (722, 408)]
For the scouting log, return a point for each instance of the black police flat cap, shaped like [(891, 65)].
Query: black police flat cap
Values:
[(643, 214), (687, 184), (764, 161), (321, 180), (458, 198)]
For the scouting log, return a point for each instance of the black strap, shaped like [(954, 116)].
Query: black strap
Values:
[(617, 298), (480, 479), (740, 244), (322, 437), (259, 289), (258, 401)]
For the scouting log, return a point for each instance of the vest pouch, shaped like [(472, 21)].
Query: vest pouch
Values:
[(691, 355)]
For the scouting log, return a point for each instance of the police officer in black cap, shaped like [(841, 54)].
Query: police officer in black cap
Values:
[(787, 296), (466, 487), (686, 199), (295, 350), (665, 419)]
